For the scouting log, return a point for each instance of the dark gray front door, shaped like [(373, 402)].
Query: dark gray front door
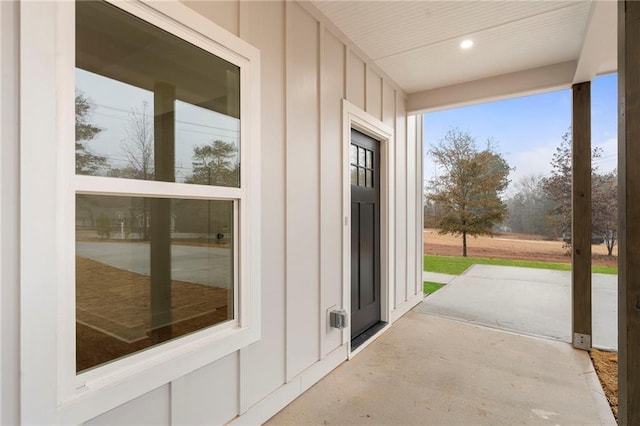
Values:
[(365, 233)]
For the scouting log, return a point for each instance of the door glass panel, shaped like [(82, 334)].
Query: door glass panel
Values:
[(361, 177), (151, 106), (354, 175), (361, 157), (354, 154), (149, 270), (369, 159), (369, 178)]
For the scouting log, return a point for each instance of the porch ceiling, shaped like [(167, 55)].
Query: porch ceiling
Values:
[(417, 43)]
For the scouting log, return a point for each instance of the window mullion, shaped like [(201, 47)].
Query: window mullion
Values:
[(99, 185)]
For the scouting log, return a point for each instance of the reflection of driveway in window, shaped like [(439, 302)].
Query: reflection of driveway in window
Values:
[(210, 266)]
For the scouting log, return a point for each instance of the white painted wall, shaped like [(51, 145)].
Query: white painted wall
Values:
[(308, 67)]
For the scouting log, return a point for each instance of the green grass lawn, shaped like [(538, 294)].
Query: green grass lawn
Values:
[(456, 265), (429, 287)]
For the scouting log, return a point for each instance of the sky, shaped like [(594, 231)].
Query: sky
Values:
[(527, 130)]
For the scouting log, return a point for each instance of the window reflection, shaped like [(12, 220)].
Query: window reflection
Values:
[(361, 157), (151, 106), (354, 175), (149, 270), (354, 154)]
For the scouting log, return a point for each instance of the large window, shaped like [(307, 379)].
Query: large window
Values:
[(149, 270), (151, 107), (140, 202)]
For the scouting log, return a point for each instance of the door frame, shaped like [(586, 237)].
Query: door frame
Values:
[(355, 118)]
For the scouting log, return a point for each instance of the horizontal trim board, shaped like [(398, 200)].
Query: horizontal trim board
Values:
[(521, 83)]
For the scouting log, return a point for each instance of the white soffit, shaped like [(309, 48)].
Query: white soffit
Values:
[(418, 43)]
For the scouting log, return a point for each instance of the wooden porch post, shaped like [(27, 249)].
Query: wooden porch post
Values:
[(581, 216), (628, 213)]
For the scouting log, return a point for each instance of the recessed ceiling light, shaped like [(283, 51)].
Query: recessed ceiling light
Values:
[(466, 44)]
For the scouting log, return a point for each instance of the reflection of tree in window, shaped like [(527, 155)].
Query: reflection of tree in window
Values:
[(87, 163), (215, 164), (137, 146)]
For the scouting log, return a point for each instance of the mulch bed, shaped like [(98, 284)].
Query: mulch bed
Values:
[(606, 365), (113, 312)]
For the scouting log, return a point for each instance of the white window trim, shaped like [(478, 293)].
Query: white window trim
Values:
[(355, 118), (51, 392)]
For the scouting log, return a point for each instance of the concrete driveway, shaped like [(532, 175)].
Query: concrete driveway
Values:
[(525, 300), (202, 265)]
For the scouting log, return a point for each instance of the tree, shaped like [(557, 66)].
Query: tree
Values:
[(138, 148), (528, 206), (103, 226), (558, 187), (87, 163), (603, 195), (605, 208), (468, 192), (215, 164), (137, 145)]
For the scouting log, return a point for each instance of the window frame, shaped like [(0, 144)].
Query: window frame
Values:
[(52, 392)]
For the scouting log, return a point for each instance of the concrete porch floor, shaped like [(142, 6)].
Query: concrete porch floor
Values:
[(429, 370)]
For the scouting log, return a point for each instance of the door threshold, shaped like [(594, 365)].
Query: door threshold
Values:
[(369, 335)]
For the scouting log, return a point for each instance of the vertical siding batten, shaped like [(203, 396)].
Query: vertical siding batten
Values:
[(366, 86), (411, 203), (4, 139), (10, 223), (287, 366), (388, 104), (382, 85), (404, 206), (321, 239), (345, 55), (401, 226), (389, 118), (419, 206)]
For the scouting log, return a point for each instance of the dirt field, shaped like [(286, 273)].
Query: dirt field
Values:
[(510, 246)]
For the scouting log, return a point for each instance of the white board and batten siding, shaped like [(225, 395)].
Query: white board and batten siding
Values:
[(9, 214), (308, 68)]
